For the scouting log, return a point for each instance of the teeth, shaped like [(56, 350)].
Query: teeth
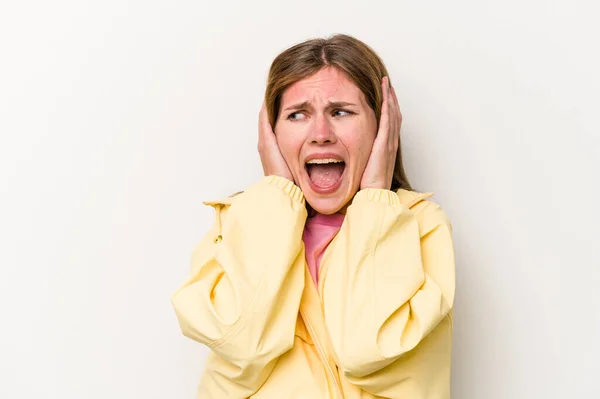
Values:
[(323, 161)]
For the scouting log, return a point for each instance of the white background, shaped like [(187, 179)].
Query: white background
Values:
[(117, 118)]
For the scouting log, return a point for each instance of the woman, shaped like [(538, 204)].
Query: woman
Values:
[(330, 277)]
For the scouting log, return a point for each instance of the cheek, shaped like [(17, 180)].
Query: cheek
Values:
[(362, 156), (360, 144), (289, 145)]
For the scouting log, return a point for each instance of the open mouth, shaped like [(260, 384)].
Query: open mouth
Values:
[(325, 174)]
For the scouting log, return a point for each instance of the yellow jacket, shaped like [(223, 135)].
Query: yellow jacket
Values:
[(378, 325)]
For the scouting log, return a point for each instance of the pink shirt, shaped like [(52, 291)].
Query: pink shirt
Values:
[(319, 230)]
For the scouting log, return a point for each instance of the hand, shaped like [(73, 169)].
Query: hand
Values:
[(268, 149), (380, 167)]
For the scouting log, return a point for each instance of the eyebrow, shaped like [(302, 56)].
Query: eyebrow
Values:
[(306, 104)]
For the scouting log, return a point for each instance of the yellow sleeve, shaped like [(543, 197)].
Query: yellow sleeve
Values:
[(244, 291), (390, 283)]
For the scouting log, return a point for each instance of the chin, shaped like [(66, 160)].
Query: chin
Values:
[(331, 203), (326, 206)]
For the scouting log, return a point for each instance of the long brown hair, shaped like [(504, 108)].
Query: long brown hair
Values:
[(359, 62)]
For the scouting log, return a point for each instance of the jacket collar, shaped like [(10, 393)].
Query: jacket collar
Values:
[(411, 198), (223, 201)]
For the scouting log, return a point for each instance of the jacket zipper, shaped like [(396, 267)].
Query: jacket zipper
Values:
[(322, 355), (316, 339)]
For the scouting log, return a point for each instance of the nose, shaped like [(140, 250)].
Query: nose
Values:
[(321, 131)]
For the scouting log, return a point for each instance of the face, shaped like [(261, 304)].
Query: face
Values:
[(325, 131)]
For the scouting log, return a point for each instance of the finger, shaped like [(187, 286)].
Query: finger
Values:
[(397, 104), (265, 130), (397, 118), (384, 121), (393, 118), (261, 116)]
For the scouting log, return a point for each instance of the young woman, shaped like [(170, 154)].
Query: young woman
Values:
[(330, 277)]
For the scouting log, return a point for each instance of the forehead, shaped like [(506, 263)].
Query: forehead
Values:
[(328, 84)]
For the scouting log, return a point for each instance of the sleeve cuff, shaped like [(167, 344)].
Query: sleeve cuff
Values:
[(287, 186), (378, 195)]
